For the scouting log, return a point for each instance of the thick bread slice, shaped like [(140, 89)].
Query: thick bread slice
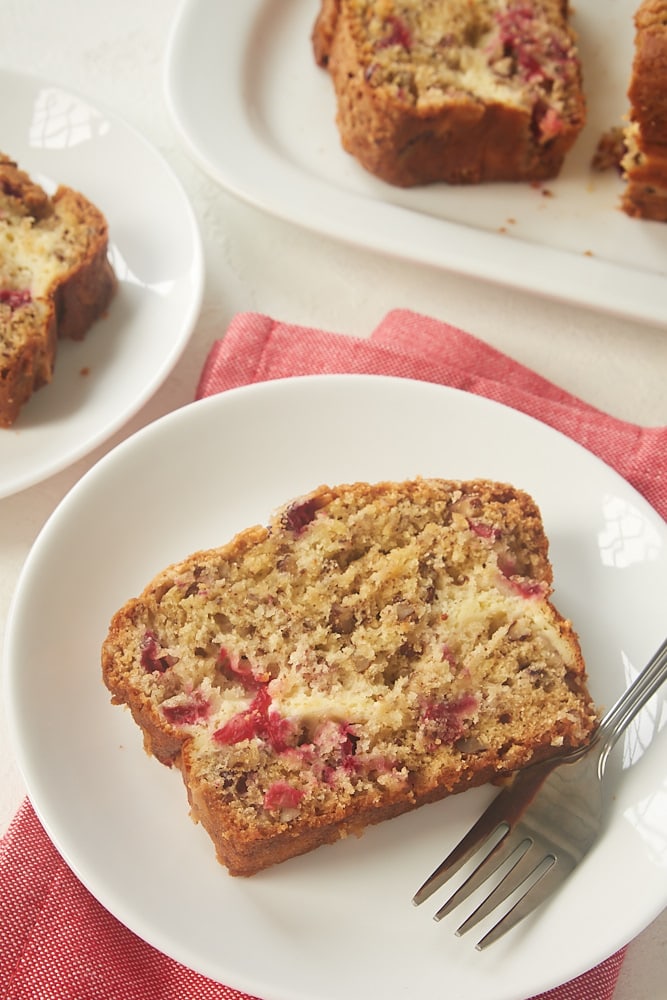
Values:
[(645, 162), (55, 280), (449, 90), (376, 647)]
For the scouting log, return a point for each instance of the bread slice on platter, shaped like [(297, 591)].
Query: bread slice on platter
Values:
[(451, 90), (644, 164)]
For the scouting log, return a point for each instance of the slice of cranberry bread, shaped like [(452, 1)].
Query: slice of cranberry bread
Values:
[(376, 647), (645, 162), (55, 280), (453, 91)]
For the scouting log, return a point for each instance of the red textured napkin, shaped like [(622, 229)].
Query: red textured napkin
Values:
[(257, 348), (55, 939)]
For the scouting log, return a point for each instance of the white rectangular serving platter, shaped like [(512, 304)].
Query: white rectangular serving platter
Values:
[(258, 115)]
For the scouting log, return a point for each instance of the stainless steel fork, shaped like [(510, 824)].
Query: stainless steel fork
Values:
[(538, 829)]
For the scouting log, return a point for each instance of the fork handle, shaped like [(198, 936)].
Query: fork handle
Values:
[(621, 714)]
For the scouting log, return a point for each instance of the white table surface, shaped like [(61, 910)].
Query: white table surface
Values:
[(113, 54)]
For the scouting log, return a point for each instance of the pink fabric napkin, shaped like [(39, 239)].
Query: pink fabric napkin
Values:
[(257, 348), (55, 939)]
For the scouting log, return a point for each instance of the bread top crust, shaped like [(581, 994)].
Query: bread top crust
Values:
[(18, 192), (44, 239), (420, 55)]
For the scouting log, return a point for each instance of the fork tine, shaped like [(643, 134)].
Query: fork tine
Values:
[(480, 834), (554, 806), (525, 865), (497, 820), (544, 886), (510, 848)]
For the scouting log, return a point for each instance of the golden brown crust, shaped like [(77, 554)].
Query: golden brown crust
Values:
[(645, 194), (645, 162), (55, 280), (83, 294), (324, 30), (376, 647), (409, 125), (648, 84), (21, 193), (245, 852)]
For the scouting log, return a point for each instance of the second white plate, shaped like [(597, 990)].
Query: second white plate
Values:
[(258, 115), (155, 249), (337, 923)]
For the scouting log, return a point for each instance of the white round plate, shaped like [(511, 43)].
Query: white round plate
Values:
[(154, 246), (339, 922)]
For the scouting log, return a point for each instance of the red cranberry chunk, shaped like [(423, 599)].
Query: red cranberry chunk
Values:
[(399, 34), (546, 122), (257, 720), (15, 298), (448, 655), (483, 530), (281, 795), (447, 719), (242, 726), (522, 585), (298, 516), (152, 658), (194, 710)]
